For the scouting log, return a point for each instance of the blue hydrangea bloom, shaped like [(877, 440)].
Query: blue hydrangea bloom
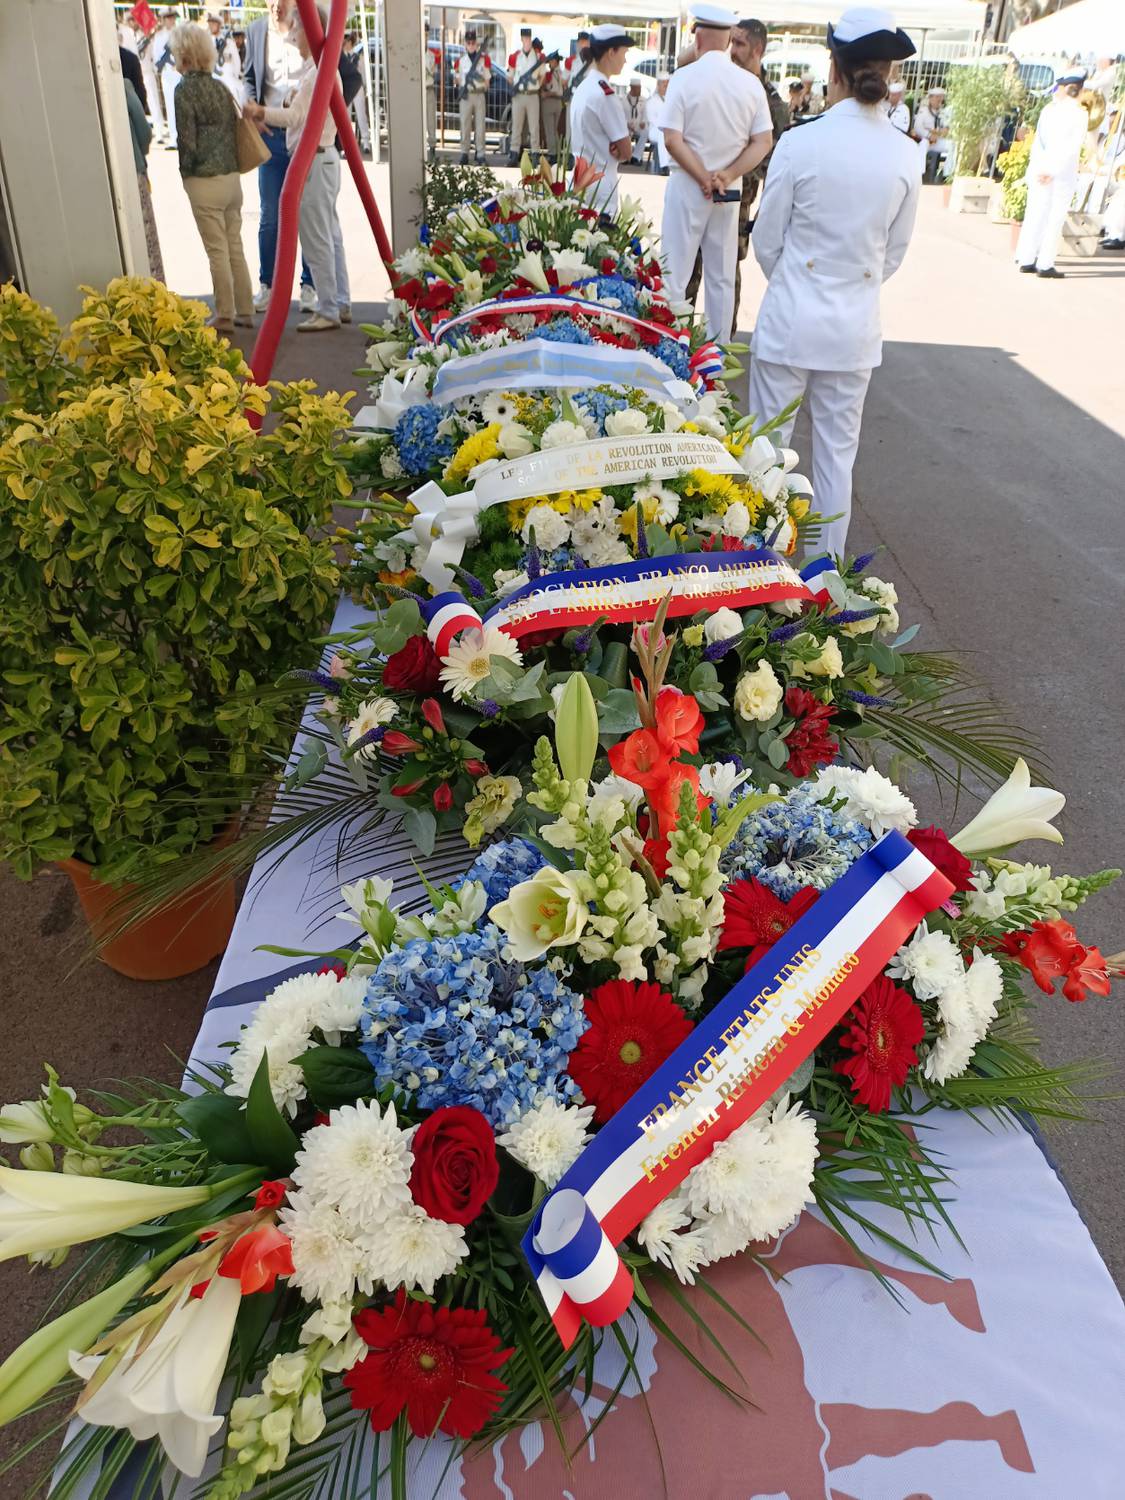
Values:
[(617, 287), (503, 865), (599, 404), (795, 843), (563, 331), (675, 355), (451, 1021), (415, 437)]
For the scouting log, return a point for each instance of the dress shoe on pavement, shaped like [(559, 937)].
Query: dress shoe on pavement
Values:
[(1050, 274), (1113, 244), (262, 300), (308, 298), (318, 323), (1028, 270), (345, 313), (463, 159)]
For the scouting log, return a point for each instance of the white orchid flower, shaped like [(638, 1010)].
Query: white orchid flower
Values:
[(1015, 812), (47, 1210), (168, 1390)]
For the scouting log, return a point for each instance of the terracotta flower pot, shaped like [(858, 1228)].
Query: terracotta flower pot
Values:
[(173, 942)]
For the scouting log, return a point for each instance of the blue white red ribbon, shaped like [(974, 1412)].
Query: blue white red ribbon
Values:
[(539, 302), (446, 615), (740, 1054), (816, 574)]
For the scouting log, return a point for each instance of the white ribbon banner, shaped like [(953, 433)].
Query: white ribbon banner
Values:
[(545, 364), (623, 460)]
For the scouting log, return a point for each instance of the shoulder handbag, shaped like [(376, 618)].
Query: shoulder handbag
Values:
[(249, 147)]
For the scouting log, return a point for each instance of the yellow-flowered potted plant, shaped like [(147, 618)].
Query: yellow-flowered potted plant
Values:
[(161, 558)]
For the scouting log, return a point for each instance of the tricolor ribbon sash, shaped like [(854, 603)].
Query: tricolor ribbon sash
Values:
[(539, 302), (624, 591), (734, 1060), (816, 574), (545, 364)]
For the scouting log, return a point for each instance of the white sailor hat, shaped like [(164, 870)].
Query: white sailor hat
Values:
[(867, 33), (896, 87), (610, 31), (1072, 75), (716, 16)]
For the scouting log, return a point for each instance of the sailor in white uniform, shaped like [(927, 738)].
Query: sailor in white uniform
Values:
[(897, 111), (717, 126), (835, 220), (1052, 176), (599, 131)]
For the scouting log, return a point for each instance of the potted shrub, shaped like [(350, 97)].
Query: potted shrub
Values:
[(1012, 188), (978, 100), (160, 559)]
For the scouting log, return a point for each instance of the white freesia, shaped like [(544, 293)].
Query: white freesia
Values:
[(868, 797), (1017, 811), (168, 1390), (48, 1210), (628, 422), (548, 1138)]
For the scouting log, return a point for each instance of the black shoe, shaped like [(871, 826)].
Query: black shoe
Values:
[(1028, 270), (1050, 274), (513, 161), (480, 161), (1113, 244), (463, 159)]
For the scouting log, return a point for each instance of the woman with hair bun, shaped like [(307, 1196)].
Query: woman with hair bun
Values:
[(835, 220), (599, 131)]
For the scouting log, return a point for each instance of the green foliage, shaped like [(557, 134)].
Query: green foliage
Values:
[(162, 560), (979, 98), (1013, 184), (449, 185)]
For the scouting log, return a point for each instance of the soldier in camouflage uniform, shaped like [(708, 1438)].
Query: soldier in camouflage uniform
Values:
[(747, 47)]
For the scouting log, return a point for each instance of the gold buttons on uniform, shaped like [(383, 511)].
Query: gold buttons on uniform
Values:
[(867, 275), (809, 264)]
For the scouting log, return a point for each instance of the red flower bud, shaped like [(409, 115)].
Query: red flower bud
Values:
[(397, 743), (443, 797), (475, 768), (431, 712), (271, 1194), (408, 790)]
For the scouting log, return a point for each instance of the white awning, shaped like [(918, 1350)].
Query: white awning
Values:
[(1092, 28), (912, 15)]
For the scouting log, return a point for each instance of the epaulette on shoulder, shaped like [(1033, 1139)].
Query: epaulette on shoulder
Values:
[(607, 88)]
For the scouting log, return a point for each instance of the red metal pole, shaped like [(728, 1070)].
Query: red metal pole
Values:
[(313, 30)]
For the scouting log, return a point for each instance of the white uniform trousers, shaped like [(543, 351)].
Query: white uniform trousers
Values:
[(362, 123), (169, 78), (693, 223), (472, 124), (431, 119), (835, 402), (525, 117), (1113, 226), (1047, 206), (318, 229), (154, 94)]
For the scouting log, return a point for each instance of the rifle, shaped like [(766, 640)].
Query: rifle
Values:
[(463, 91), (144, 43), (579, 77), (524, 81)]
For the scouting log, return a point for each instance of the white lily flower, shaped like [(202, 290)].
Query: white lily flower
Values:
[(168, 1390), (47, 1210), (1017, 811), (26, 1122), (530, 267)]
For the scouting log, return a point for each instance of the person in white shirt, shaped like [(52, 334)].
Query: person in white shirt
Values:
[(319, 224), (661, 161), (636, 117), (525, 67), (473, 74), (429, 79), (229, 68), (1052, 176), (835, 220), (717, 125), (161, 50), (931, 131), (599, 133), (897, 111)]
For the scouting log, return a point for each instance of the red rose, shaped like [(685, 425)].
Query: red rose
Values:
[(455, 1166), (933, 843), (272, 1194), (608, 265), (414, 669), (488, 264)]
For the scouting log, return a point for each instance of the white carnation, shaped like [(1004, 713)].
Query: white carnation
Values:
[(360, 1163), (628, 422), (930, 961), (761, 1174), (551, 529), (548, 1138), (868, 797), (562, 435), (410, 1249)]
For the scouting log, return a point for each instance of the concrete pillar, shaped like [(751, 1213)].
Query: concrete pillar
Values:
[(66, 156), (406, 118)]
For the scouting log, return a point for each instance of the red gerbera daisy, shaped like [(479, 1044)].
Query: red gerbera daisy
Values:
[(434, 1363), (885, 1027), (633, 1028), (754, 918)]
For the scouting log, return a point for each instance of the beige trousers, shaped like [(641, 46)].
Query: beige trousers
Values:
[(216, 203), (525, 121)]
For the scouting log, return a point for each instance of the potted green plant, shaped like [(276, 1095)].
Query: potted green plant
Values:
[(1012, 188), (161, 558), (978, 99)]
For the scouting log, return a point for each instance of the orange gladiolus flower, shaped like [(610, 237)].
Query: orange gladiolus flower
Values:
[(679, 722), (257, 1259)]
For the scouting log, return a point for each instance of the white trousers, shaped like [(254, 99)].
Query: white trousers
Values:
[(318, 227), (694, 224), (154, 94), (169, 78), (525, 118), (362, 124), (1114, 225), (835, 401), (1047, 206)]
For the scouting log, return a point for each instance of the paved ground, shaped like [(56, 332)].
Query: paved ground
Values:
[(991, 470)]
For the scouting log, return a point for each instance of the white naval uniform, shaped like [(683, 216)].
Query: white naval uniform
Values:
[(926, 120), (168, 77), (229, 71), (899, 116), (1059, 138), (525, 105), (835, 219), (636, 117), (656, 132), (597, 119), (717, 106)]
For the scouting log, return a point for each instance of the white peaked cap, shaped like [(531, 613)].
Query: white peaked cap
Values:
[(713, 15), (609, 31)]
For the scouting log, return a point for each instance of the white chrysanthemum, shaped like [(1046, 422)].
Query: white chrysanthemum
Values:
[(723, 1235), (370, 715), (719, 780), (984, 983), (603, 548), (659, 1228), (411, 262), (868, 797), (548, 1138), (762, 1174), (326, 1260), (551, 529), (930, 961), (339, 1008), (562, 435), (360, 1162), (282, 1026), (468, 661), (949, 1056), (410, 1249)]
